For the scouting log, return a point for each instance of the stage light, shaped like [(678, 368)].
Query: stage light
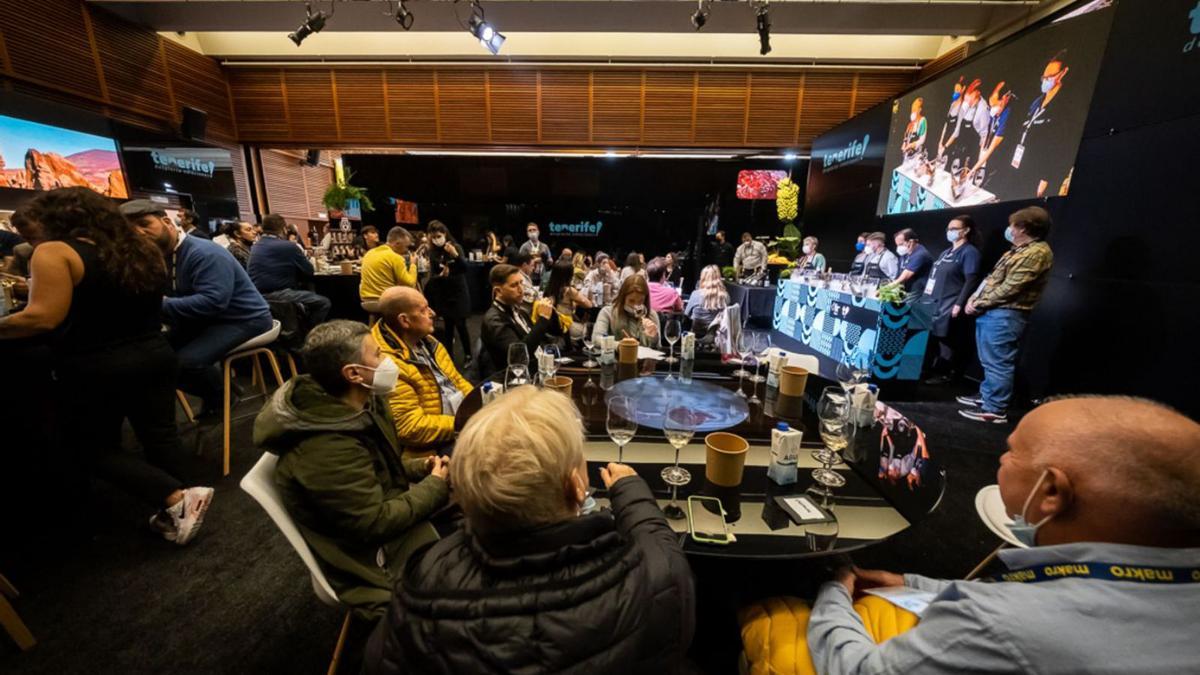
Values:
[(610, 154), (403, 16), (762, 19), (700, 17), (489, 37), (313, 23), (789, 156)]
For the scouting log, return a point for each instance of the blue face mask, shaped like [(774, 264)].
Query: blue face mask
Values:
[(859, 247), (1023, 530), (1008, 234), (952, 236)]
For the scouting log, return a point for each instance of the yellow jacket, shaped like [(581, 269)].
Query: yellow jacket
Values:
[(416, 402), (383, 268)]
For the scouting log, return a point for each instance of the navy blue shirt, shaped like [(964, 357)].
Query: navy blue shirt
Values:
[(8, 241), (919, 262), (209, 286), (276, 264)]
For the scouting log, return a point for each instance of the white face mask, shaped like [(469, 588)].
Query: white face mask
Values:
[(439, 241), (635, 310), (902, 250), (807, 249), (386, 374), (995, 111), (1048, 84), (533, 236)]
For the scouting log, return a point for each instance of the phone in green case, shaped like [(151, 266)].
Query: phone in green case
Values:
[(706, 520)]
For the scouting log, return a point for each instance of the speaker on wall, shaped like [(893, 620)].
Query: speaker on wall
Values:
[(312, 157), (194, 122)]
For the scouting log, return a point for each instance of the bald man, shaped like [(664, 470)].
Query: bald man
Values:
[(1106, 492), (428, 387)]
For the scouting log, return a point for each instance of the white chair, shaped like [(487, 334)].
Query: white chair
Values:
[(259, 483), (990, 507), (805, 361), (252, 348)]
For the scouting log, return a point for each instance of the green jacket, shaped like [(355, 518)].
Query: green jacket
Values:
[(342, 480)]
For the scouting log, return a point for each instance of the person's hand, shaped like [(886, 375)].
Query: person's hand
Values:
[(865, 579), (544, 309), (440, 467), (972, 310), (445, 272), (845, 576), (941, 150), (649, 328), (614, 472), (954, 311), (449, 248)]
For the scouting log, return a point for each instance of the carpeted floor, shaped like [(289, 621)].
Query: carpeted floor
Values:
[(101, 594)]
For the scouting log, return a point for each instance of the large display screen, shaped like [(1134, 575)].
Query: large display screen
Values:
[(37, 156), (1003, 126)]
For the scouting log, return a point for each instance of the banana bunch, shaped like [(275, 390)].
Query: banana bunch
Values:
[(786, 200)]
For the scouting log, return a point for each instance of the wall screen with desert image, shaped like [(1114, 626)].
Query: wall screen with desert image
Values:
[(35, 156)]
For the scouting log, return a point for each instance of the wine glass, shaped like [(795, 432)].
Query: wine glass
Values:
[(589, 347), (518, 360), (737, 347), (513, 378), (549, 365), (679, 425), (761, 344), (621, 422), (833, 416), (744, 349), (671, 333)]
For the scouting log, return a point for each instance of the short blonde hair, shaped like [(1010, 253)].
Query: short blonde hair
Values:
[(512, 464)]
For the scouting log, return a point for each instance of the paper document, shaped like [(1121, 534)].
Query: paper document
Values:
[(647, 353), (912, 599)]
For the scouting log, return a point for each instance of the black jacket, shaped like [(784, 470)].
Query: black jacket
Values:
[(449, 296), (610, 592), (500, 330)]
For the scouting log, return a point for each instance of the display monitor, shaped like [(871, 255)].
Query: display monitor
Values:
[(1000, 127), (759, 183), (35, 156)]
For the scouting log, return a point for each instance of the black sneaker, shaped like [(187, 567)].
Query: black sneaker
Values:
[(973, 401), (982, 416)]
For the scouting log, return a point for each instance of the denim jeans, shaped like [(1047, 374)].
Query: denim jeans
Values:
[(998, 334), (199, 348)]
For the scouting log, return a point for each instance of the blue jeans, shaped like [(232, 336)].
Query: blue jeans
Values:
[(199, 348), (998, 334)]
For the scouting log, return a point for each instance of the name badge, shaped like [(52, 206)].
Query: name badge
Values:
[(929, 286), (1018, 153)]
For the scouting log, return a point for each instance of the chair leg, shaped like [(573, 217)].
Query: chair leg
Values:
[(274, 368), (341, 643), (226, 411), (292, 364), (984, 563), (258, 374), (13, 624), (187, 407)]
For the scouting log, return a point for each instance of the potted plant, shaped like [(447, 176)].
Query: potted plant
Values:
[(340, 194)]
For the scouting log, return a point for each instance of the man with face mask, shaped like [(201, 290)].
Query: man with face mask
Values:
[(539, 252), (879, 263), (360, 506), (429, 388), (1035, 151), (211, 305), (1103, 495)]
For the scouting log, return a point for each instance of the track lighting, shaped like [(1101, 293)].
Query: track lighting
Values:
[(762, 21), (700, 17), (478, 26), (313, 23), (403, 16)]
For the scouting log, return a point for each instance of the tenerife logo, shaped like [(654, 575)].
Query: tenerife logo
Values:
[(852, 153), (1194, 15), (192, 166), (584, 229)]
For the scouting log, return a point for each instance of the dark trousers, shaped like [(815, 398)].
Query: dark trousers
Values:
[(446, 335), (101, 389), (952, 354), (316, 307), (200, 347)]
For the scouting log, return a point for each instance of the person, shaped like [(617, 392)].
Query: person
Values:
[(1002, 304), (721, 252), (539, 252), (240, 242), (952, 115), (293, 235), (490, 245), (810, 258), (1103, 491), (97, 293), (629, 315), (566, 298), (510, 320), (915, 132), (361, 507), (447, 288), (566, 254), (751, 257), (420, 247), (370, 237), (964, 146), (211, 306), (1039, 133), (954, 275), (663, 298), (279, 269), (997, 129), (32, 236), (8, 241), (524, 263), (579, 269), (225, 234), (708, 300), (429, 388), (858, 266), (880, 263), (387, 265), (189, 222), (602, 281), (509, 254), (532, 584), (915, 261), (635, 263)]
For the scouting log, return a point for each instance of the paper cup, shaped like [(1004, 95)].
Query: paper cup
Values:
[(627, 350), (559, 383), (725, 457), (347, 267), (792, 380)]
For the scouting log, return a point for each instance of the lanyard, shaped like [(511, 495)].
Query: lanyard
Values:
[(1142, 574)]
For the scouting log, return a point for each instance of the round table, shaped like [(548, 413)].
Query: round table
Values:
[(880, 498)]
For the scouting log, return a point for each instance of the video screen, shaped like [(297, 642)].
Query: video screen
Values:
[(759, 183), (1001, 127), (37, 156)]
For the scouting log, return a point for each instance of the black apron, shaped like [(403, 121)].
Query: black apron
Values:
[(856, 267), (946, 281), (872, 270)]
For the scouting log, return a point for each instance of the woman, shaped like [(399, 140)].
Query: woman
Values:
[(811, 260), (634, 262), (565, 296), (490, 246), (241, 241), (663, 298), (580, 269), (420, 248), (954, 277), (674, 270), (860, 258), (708, 300), (532, 583), (97, 290), (447, 290), (629, 315)]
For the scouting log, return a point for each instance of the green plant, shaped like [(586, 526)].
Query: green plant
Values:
[(339, 194), (789, 244), (728, 273), (893, 293)]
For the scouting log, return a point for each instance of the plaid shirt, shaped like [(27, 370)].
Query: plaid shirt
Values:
[(1018, 279)]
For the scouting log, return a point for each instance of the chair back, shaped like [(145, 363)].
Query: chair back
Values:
[(259, 483)]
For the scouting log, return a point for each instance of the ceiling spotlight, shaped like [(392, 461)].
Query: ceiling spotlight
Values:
[(701, 15), (762, 19), (403, 16), (489, 37), (313, 23)]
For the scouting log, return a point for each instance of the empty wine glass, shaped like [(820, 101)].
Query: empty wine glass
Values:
[(671, 332), (744, 350), (737, 347), (621, 422), (518, 360), (589, 347), (760, 342), (679, 425)]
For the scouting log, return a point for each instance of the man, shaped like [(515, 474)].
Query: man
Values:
[(525, 264), (385, 266), (965, 144), (603, 281), (1104, 492), (536, 250), (663, 297), (1003, 303), (429, 387), (751, 257), (879, 262), (279, 269), (189, 222), (722, 251), (510, 321), (1039, 135), (361, 508), (915, 262), (997, 129), (211, 306)]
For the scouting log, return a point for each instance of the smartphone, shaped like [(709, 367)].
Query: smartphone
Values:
[(706, 520)]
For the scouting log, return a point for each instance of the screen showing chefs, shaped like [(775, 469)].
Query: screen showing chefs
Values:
[(1038, 130)]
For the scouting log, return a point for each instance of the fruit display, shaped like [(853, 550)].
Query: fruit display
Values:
[(787, 196)]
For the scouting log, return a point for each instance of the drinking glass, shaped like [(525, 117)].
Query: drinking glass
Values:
[(671, 332), (761, 344), (513, 379), (744, 350), (552, 355), (621, 422), (518, 360), (833, 416), (679, 425), (589, 347)]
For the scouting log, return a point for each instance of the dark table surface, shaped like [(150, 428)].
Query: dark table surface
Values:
[(757, 302), (879, 499)]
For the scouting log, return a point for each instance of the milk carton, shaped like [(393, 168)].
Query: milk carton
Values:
[(785, 451)]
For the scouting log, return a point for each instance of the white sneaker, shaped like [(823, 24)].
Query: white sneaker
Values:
[(181, 522)]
